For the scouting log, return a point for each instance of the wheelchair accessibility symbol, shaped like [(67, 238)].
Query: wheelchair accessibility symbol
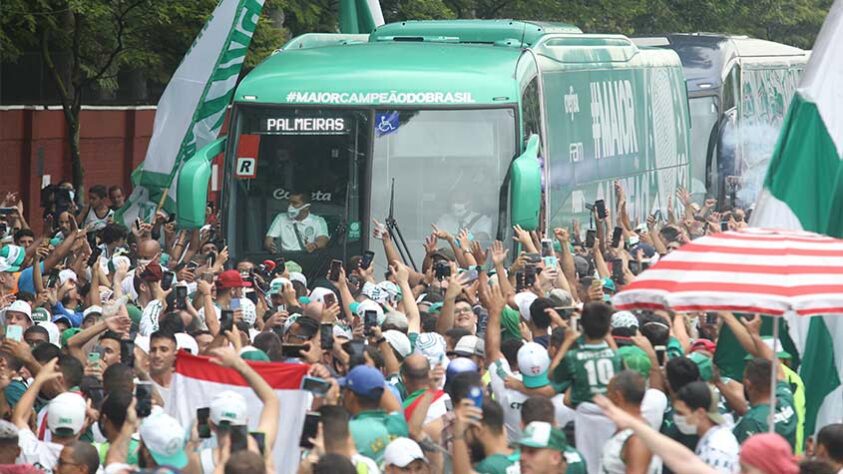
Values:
[(386, 123)]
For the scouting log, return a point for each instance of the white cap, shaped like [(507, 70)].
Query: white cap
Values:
[(369, 305), (66, 411), (432, 345), (52, 332), (342, 332), (318, 294), (276, 286), (142, 342), (20, 306), (533, 362), (67, 274), (299, 277), (399, 341), (401, 452), (397, 319), (92, 309), (470, 345), (524, 300), (229, 407), (187, 342), (165, 439)]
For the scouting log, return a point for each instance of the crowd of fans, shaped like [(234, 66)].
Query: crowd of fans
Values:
[(496, 360)]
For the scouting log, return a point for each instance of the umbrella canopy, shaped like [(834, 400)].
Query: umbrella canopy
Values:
[(749, 270)]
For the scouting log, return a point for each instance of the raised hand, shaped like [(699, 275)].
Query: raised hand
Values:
[(498, 252)]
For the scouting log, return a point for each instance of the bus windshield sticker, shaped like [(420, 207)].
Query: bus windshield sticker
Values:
[(304, 125), (386, 123)]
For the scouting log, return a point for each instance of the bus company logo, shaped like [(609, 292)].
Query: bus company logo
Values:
[(315, 124), (282, 194), (572, 103), (613, 118)]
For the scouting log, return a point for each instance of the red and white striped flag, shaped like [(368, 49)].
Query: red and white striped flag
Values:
[(197, 380), (750, 271)]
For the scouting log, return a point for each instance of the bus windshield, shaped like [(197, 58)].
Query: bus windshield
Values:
[(295, 187), (448, 167), (704, 114)]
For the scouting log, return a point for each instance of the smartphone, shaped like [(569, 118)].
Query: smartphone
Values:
[(529, 276), (533, 258), (564, 312), (590, 237), (181, 297), (657, 215), (167, 280), (315, 385), (616, 237), (661, 352), (202, 426), (635, 267), (334, 274), (329, 299), (127, 353), (519, 281), (239, 438), (578, 324), (95, 255), (137, 223), (370, 320), (260, 439), (368, 258), (326, 336), (94, 358), (617, 270), (547, 247), (235, 304), (551, 261), (601, 208), (143, 395), (226, 320), (14, 332), (191, 266), (293, 351), (724, 226), (309, 430), (6, 211), (281, 308), (470, 276), (475, 394)]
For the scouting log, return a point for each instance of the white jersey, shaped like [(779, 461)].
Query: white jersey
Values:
[(511, 400), (96, 223), (250, 313), (612, 460), (41, 454), (292, 231), (720, 450), (653, 407)]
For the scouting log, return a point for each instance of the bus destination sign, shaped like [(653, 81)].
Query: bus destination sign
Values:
[(304, 126)]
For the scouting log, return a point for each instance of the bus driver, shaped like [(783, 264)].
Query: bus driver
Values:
[(297, 229)]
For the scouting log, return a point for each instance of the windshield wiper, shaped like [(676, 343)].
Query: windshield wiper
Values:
[(394, 230)]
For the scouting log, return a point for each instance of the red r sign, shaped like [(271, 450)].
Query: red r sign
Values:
[(247, 157)]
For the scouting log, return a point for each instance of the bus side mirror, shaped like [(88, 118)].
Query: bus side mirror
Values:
[(525, 188), (192, 190)]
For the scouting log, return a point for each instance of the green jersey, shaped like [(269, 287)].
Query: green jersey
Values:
[(589, 369), (576, 463), (755, 420), (373, 430), (498, 464)]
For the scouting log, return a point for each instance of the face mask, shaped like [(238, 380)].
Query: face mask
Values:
[(459, 210), (72, 195), (293, 212), (683, 426)]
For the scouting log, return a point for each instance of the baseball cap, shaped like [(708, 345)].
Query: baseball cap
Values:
[(66, 414), (369, 305), (401, 452), (318, 294), (93, 309), (229, 408), (769, 452), (624, 319), (8, 430), (231, 279), (187, 342), (165, 439), (445, 252), (399, 341), (396, 320), (11, 258), (297, 276), (533, 362), (560, 298), (364, 381), (636, 359), (431, 345), (523, 300), (541, 435), (67, 334), (62, 317), (40, 315), (276, 286), (703, 345), (52, 332), (20, 306), (704, 364), (458, 366), (776, 346), (67, 274), (469, 346), (292, 267), (254, 354)]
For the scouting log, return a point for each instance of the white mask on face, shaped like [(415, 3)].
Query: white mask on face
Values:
[(683, 426), (293, 212), (459, 210)]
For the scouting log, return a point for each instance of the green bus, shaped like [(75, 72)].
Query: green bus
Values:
[(480, 124)]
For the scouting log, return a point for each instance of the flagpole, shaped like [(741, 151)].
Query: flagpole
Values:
[(771, 418)]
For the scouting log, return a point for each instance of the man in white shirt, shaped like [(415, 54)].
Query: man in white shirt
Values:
[(65, 420), (298, 229), (697, 413)]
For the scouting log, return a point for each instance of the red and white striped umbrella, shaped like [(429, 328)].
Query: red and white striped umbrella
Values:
[(750, 270)]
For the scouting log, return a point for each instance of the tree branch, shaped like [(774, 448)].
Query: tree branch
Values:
[(121, 28)]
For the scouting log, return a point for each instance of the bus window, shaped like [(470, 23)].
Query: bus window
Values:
[(530, 109), (301, 194), (731, 87)]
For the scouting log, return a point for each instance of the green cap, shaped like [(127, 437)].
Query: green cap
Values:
[(510, 324), (40, 315), (541, 435), (636, 359), (255, 355), (67, 334), (704, 364), (292, 266)]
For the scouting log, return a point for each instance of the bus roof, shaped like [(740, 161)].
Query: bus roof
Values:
[(501, 32), (705, 55), (394, 73)]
